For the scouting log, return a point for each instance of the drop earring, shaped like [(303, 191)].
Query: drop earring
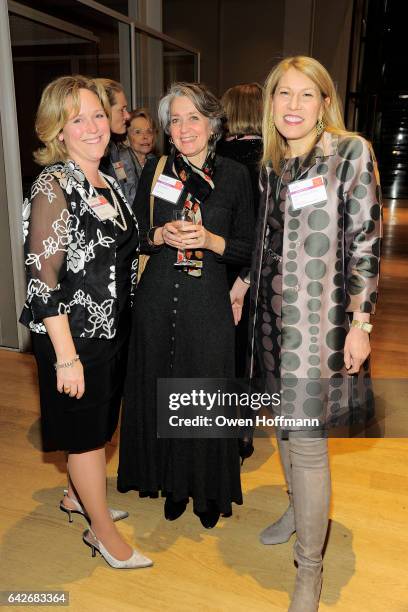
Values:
[(319, 127)]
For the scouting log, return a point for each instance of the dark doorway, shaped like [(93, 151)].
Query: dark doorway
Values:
[(377, 102)]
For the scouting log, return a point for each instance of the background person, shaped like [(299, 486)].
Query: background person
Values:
[(242, 140), (141, 133), (118, 160), (80, 253), (242, 106), (182, 321), (314, 286)]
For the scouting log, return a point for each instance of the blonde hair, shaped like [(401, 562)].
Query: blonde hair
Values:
[(145, 114), (243, 109), (53, 113), (111, 88), (275, 145)]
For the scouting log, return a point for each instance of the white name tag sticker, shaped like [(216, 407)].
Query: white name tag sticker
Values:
[(168, 188), (120, 170), (102, 208), (307, 192)]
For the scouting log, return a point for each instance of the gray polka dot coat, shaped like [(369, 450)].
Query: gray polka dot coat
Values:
[(320, 264)]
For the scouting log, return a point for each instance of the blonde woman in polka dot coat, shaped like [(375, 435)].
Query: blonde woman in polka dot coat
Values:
[(314, 284)]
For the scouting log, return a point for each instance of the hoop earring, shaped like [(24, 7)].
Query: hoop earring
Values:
[(171, 141), (319, 127)]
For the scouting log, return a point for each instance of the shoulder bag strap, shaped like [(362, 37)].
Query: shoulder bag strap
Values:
[(159, 169)]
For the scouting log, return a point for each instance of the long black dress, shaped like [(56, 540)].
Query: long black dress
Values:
[(182, 326), (88, 423)]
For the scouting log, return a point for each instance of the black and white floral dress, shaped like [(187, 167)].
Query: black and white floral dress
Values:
[(83, 267)]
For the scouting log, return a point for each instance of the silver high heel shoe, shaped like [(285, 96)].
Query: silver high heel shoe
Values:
[(135, 560), (117, 515)]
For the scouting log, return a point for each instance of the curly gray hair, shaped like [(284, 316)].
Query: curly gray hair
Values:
[(204, 101)]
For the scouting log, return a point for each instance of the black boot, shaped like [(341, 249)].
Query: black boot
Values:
[(210, 517), (173, 510), (245, 448)]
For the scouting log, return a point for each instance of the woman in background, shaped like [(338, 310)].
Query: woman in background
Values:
[(242, 105), (242, 142), (118, 160), (141, 133), (314, 284), (81, 243)]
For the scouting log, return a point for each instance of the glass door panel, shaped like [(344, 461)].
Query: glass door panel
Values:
[(43, 50)]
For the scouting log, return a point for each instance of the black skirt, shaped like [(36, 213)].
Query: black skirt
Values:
[(74, 425)]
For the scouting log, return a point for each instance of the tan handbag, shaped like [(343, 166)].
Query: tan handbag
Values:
[(143, 259)]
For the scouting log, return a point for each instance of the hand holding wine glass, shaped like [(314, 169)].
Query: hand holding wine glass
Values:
[(196, 236), (181, 217)]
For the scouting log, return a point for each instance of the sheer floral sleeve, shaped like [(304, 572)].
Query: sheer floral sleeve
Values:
[(47, 233)]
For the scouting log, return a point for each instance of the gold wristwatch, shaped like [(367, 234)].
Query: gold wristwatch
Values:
[(367, 327)]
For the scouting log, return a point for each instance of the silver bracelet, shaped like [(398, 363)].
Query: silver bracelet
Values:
[(66, 364)]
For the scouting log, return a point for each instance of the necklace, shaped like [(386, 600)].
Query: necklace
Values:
[(120, 220), (279, 181)]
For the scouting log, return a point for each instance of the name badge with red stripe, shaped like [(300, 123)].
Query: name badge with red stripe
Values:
[(120, 170), (168, 188), (307, 192), (102, 208)]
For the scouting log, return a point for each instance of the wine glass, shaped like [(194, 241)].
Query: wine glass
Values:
[(181, 217)]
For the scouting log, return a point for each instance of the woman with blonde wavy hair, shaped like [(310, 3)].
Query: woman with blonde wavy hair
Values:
[(314, 280), (81, 243)]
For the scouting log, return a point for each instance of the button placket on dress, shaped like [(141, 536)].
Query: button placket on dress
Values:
[(174, 300)]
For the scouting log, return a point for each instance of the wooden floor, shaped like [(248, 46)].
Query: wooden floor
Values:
[(226, 568)]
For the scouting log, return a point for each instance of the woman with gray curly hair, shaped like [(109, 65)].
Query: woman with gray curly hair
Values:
[(183, 324)]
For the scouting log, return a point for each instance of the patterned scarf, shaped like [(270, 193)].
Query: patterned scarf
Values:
[(199, 185)]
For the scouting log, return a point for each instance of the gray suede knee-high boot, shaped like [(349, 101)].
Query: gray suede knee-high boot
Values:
[(280, 532), (311, 500)]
